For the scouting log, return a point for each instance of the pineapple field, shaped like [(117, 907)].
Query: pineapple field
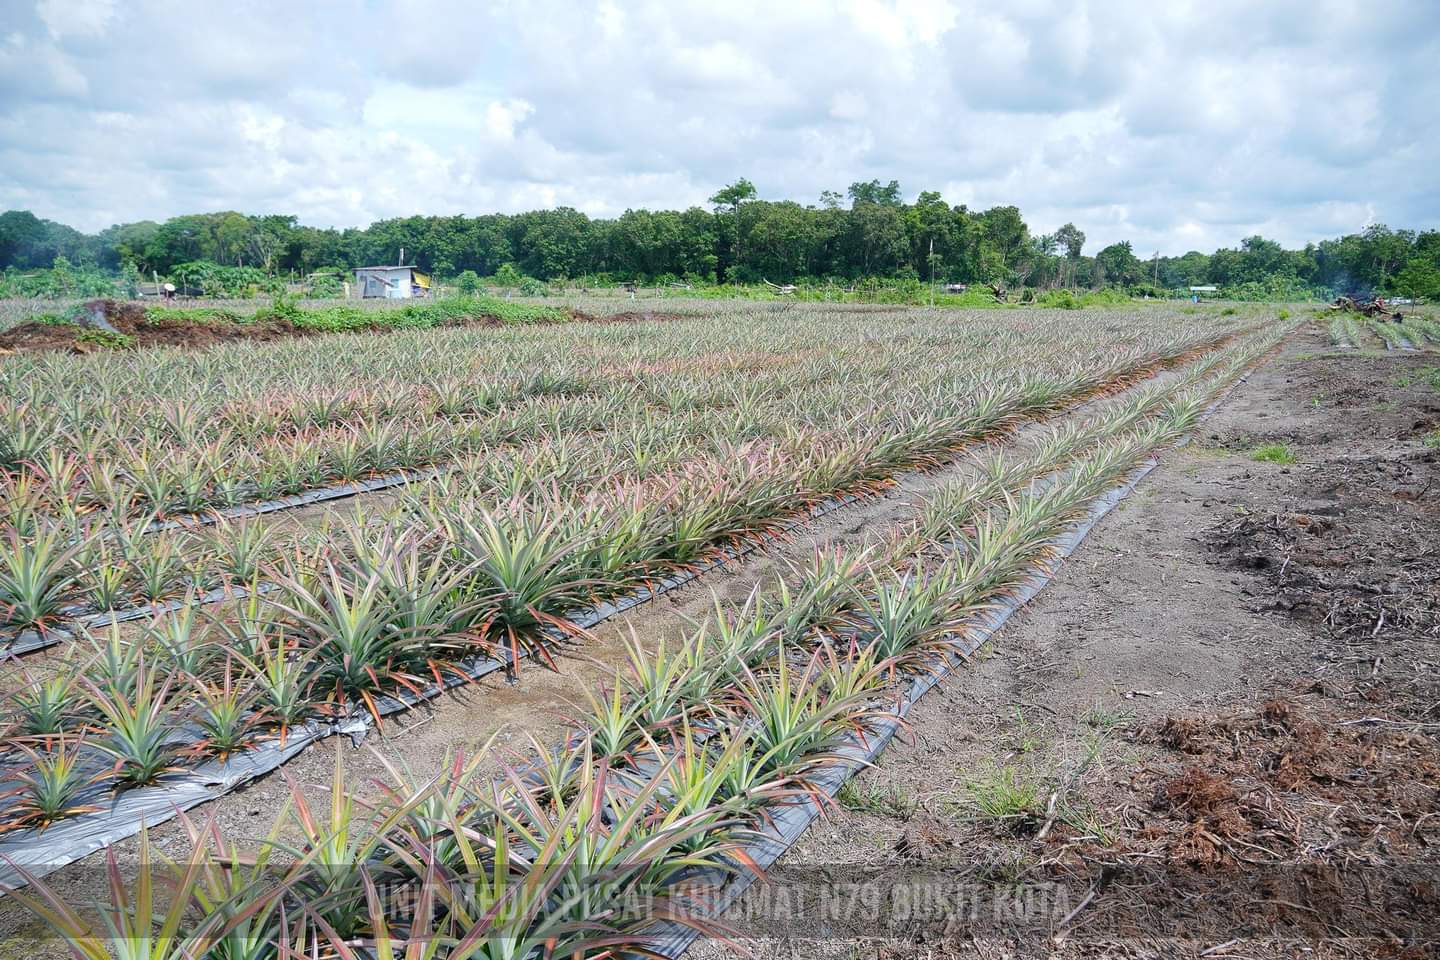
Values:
[(621, 608)]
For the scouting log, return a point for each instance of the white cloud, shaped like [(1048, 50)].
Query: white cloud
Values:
[(81, 18), (1177, 126)]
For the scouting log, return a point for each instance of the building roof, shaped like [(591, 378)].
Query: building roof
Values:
[(389, 267)]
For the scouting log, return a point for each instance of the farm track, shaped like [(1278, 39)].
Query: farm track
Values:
[(535, 706)]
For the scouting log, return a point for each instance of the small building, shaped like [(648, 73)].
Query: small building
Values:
[(391, 283), (956, 288)]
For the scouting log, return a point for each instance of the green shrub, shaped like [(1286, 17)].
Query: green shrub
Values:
[(106, 338), (334, 319), (508, 275), (418, 315), (325, 286), (1060, 300), (158, 315)]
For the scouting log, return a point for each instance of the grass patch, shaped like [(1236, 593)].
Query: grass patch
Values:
[(884, 801), (1028, 735), (1273, 453), (341, 318), (1105, 719), (1077, 300), (1001, 793), (1432, 439)]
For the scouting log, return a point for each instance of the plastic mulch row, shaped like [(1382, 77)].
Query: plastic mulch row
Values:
[(74, 838)]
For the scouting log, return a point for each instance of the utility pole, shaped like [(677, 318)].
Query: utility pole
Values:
[(931, 258)]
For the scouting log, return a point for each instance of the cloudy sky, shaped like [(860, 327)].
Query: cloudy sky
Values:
[(1178, 125)]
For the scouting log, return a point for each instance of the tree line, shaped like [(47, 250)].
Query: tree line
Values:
[(868, 232)]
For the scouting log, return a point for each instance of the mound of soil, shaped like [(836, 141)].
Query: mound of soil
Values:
[(132, 320), (628, 316)]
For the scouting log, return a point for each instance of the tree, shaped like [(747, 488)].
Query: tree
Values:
[(1386, 251), (269, 237), (1119, 263), (1419, 279), (1260, 258), (736, 237), (873, 192), (1047, 269), (733, 196), (553, 243), (129, 280), (877, 243), (1004, 231), (1071, 239), (934, 231), (19, 231), (1190, 270)]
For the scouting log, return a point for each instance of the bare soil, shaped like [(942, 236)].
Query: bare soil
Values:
[(1216, 733), (132, 320), (625, 316)]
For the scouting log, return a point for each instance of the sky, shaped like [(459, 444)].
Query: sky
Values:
[(1175, 125)]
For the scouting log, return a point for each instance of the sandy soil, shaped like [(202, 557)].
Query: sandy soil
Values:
[(1216, 733)]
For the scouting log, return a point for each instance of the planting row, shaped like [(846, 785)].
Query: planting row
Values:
[(390, 610), (674, 483), (1349, 329), (652, 802), (182, 434)]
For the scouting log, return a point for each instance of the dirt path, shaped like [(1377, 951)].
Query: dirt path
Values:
[(1217, 730)]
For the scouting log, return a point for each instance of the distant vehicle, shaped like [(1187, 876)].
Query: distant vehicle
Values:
[(1400, 301)]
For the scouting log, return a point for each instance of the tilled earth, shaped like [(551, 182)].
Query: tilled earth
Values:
[(1216, 734)]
